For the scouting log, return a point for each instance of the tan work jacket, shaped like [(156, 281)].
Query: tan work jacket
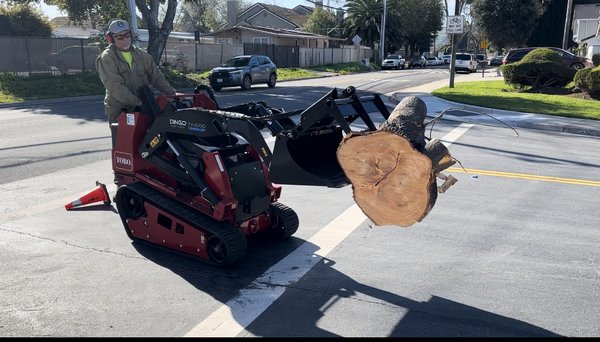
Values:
[(122, 83)]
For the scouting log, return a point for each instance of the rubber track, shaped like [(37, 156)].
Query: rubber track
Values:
[(234, 239), (289, 218)]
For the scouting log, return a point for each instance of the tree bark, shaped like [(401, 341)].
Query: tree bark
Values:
[(392, 170)]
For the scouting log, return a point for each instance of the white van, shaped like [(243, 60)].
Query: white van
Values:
[(465, 62)]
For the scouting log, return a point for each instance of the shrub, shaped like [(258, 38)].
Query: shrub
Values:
[(588, 80), (538, 69)]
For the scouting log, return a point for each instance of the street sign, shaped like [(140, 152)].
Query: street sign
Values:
[(454, 24), (484, 44), (356, 40)]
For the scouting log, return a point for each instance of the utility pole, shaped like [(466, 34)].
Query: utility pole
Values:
[(382, 48), (453, 44), (567, 24), (133, 13)]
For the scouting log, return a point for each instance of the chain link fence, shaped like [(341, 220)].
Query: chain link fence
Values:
[(57, 56)]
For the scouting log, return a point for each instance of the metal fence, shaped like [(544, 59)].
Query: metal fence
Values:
[(26, 56), (282, 56)]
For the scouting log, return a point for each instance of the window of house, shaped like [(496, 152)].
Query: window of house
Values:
[(260, 40), (224, 40)]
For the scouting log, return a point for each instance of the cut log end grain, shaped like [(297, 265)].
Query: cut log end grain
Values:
[(392, 171), (391, 180)]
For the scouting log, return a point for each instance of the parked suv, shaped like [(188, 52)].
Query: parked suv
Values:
[(393, 62), (569, 60), (465, 62), (244, 71)]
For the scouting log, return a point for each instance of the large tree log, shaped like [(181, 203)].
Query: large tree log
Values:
[(392, 170)]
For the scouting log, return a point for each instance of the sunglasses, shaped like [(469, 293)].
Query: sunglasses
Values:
[(123, 36)]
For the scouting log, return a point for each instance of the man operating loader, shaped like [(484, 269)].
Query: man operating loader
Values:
[(124, 68)]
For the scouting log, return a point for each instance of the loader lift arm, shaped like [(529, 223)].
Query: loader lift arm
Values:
[(306, 139)]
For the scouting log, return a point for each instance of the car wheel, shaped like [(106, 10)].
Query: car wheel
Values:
[(246, 82), (272, 81), (577, 66)]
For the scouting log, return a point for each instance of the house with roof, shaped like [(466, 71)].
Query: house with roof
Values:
[(270, 24), (242, 33)]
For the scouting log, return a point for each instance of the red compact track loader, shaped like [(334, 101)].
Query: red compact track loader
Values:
[(199, 179)]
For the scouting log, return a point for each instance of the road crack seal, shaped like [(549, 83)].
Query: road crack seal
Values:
[(9, 229)]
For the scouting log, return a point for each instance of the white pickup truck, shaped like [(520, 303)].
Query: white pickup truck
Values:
[(393, 62)]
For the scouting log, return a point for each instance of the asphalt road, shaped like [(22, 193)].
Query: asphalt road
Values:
[(509, 251)]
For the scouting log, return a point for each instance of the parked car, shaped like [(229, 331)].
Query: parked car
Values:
[(447, 59), (244, 71), (465, 62), (393, 62), (497, 60), (417, 61), (569, 60), (73, 57), (433, 61), (481, 59)]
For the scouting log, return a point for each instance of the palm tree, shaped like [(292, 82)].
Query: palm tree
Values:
[(363, 18)]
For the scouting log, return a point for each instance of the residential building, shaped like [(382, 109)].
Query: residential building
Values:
[(270, 24), (585, 26)]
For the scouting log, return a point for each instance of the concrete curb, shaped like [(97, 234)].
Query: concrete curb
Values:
[(471, 114)]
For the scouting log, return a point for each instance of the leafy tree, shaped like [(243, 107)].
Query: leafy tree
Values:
[(157, 32), (102, 11), (203, 15), (363, 18), (98, 13), (551, 25), (420, 22), (321, 21), (458, 6), (23, 21), (507, 23), (408, 22)]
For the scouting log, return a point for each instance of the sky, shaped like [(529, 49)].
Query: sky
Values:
[(52, 11)]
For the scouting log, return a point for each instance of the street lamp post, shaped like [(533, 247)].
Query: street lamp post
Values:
[(133, 13)]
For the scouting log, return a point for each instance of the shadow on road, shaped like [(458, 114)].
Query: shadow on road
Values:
[(298, 311)]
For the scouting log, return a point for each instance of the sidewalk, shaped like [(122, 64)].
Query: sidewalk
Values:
[(474, 114)]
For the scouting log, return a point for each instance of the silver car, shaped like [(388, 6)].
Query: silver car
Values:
[(244, 71)]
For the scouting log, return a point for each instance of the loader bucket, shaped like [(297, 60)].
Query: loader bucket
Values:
[(308, 160), (306, 141)]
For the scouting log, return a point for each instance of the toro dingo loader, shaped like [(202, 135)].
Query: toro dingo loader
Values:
[(199, 179)]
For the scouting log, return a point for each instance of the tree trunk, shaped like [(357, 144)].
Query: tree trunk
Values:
[(392, 170)]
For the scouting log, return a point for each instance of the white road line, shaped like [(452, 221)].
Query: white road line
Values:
[(453, 135), (234, 316)]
